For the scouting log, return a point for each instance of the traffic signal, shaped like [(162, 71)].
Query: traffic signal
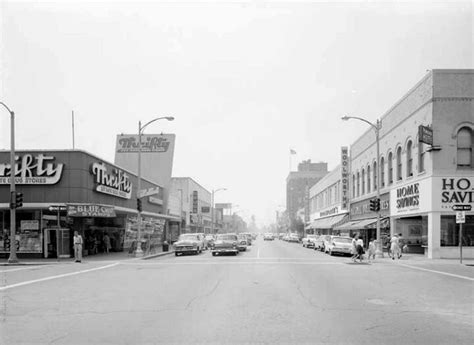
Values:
[(139, 205), (18, 200), (377, 205), (372, 204)]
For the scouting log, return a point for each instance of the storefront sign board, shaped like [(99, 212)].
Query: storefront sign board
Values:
[(148, 192), (451, 191), (29, 225), (90, 211), (31, 169), (155, 200), (361, 209), (411, 198), (115, 182), (425, 135)]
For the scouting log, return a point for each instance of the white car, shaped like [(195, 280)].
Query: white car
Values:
[(188, 243), (294, 238), (308, 241), (339, 245), (268, 236)]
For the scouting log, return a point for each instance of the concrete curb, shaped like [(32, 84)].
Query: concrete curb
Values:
[(157, 255)]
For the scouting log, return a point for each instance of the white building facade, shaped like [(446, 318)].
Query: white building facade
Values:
[(329, 199), (420, 182)]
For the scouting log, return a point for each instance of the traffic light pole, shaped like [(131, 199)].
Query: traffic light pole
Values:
[(378, 243), (13, 258)]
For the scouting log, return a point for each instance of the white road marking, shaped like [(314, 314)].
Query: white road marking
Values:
[(24, 268), (439, 272), (260, 262), (3, 288)]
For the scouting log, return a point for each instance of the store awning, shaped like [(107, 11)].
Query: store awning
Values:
[(328, 222), (369, 223)]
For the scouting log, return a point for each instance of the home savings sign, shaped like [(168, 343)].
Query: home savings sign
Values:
[(457, 190), (32, 170), (117, 183)]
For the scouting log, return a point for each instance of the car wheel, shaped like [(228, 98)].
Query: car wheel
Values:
[(176, 253), (214, 253)]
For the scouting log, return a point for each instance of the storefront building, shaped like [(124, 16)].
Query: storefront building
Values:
[(72, 190), (195, 204), (329, 200), (426, 164)]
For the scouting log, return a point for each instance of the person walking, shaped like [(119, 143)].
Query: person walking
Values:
[(107, 243), (360, 248), (371, 251), (401, 245), (394, 247), (354, 247), (77, 247)]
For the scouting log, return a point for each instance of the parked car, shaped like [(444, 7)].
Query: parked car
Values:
[(248, 236), (294, 238), (225, 243), (242, 243), (339, 245), (268, 236), (286, 237), (308, 241), (319, 243), (188, 243)]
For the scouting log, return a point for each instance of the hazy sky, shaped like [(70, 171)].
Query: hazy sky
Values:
[(245, 80)]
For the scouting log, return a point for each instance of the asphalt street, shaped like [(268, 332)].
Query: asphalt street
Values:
[(275, 293)]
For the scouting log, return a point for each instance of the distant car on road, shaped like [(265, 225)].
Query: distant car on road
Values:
[(308, 241), (293, 238), (339, 245), (188, 243), (225, 243), (268, 236)]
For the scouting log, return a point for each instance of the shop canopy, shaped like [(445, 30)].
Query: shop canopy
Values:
[(328, 222), (370, 223)]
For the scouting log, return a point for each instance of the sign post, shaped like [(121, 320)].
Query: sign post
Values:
[(460, 219)]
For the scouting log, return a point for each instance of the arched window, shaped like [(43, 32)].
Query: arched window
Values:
[(399, 163), (368, 178), (358, 184), (421, 157), (464, 146), (375, 175), (382, 172), (409, 159), (363, 181), (390, 168)]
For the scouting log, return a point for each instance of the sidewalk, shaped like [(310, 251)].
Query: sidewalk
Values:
[(447, 266), (102, 257)]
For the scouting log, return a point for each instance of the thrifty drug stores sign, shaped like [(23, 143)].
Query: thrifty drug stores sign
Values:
[(36, 169), (116, 183)]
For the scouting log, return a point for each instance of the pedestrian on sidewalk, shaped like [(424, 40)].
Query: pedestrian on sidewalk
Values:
[(354, 247), (394, 247), (107, 243), (371, 251), (360, 249), (401, 245), (77, 247)]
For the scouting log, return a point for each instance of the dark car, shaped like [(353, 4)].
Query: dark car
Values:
[(225, 243)]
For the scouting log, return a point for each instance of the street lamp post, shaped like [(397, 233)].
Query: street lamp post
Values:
[(377, 126), (212, 208), (138, 250), (12, 258)]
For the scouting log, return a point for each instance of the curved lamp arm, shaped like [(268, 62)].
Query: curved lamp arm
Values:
[(6, 107), (169, 118), (374, 126)]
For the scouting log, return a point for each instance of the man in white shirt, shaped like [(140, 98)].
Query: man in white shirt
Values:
[(77, 247)]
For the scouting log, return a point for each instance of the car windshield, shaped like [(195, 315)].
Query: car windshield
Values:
[(227, 237), (188, 237)]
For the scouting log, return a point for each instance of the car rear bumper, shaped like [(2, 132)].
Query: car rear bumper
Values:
[(225, 250)]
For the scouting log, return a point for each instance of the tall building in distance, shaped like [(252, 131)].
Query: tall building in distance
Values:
[(298, 184)]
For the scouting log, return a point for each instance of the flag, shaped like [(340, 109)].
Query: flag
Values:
[(292, 152)]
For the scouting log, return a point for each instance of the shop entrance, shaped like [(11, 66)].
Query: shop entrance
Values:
[(57, 243)]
